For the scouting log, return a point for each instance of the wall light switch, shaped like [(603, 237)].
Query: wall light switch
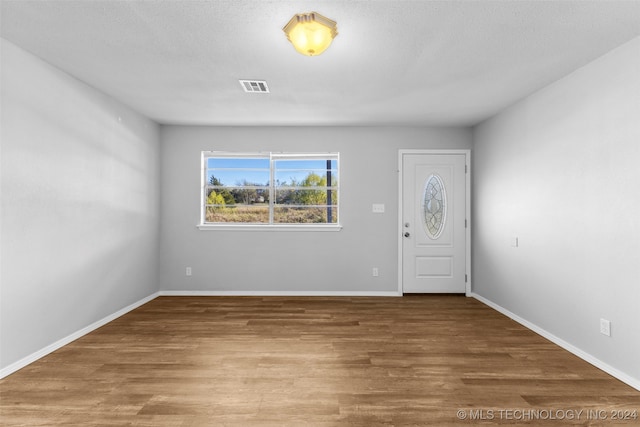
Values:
[(377, 208), (514, 242), (188, 271)]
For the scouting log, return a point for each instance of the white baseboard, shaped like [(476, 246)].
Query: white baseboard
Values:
[(283, 293), (68, 339), (633, 382)]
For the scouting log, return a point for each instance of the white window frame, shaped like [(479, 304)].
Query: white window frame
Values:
[(272, 156)]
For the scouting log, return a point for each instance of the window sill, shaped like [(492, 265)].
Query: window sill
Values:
[(270, 227)]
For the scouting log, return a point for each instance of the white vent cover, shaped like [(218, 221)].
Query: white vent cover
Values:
[(257, 86)]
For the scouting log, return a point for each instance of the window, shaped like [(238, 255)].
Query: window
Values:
[(434, 205), (270, 189)]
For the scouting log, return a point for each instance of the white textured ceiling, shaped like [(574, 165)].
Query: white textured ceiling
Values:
[(393, 62)]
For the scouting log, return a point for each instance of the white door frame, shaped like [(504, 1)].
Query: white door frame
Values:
[(467, 157)]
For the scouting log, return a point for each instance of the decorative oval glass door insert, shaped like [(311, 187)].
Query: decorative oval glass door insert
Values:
[(434, 206)]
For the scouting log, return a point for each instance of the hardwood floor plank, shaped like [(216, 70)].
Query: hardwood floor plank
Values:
[(320, 361)]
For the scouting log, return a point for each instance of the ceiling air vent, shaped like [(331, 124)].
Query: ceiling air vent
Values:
[(258, 86)]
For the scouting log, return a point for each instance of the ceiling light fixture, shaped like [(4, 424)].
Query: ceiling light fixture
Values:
[(310, 33)]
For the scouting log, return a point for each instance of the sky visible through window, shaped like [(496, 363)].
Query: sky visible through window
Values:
[(235, 171)]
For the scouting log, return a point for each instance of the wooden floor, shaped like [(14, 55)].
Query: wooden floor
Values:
[(244, 361)]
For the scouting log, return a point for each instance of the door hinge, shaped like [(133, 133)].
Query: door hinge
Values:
[(465, 169), (465, 278), (465, 223)]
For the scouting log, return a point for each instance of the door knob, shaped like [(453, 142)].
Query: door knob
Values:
[(407, 234)]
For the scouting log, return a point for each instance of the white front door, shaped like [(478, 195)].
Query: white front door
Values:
[(433, 223)]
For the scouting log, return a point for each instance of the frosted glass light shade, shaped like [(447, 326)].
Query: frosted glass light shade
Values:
[(310, 33)]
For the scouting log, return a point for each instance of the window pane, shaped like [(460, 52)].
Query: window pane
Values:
[(305, 215), (305, 172), (238, 213), (237, 171), (305, 197), (304, 164), (230, 196), (237, 178), (304, 178), (237, 162)]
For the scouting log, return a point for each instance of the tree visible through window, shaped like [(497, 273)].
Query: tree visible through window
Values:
[(271, 188)]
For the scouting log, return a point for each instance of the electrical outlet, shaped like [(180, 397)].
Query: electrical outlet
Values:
[(188, 271), (377, 208), (375, 272), (605, 327)]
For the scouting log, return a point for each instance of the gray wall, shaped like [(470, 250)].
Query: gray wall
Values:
[(560, 170), (294, 261), (80, 201)]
